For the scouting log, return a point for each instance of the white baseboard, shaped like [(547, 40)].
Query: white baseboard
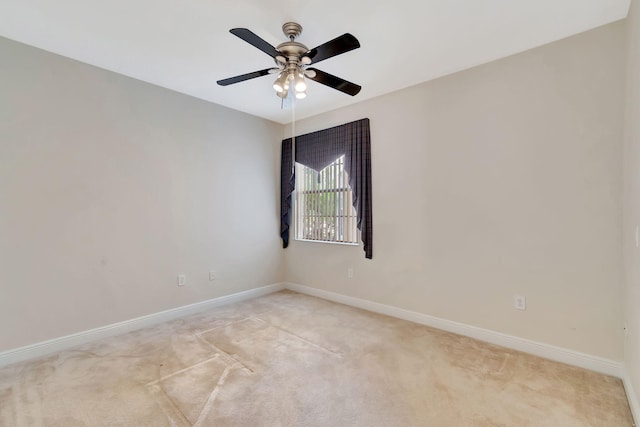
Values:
[(634, 404), (559, 354), (68, 341)]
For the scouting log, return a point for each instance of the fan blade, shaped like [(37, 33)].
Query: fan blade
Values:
[(255, 40), (337, 46), (243, 77), (335, 82)]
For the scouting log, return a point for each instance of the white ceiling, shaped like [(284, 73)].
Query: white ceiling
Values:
[(186, 45)]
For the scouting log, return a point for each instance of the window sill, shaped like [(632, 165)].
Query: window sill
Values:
[(331, 243)]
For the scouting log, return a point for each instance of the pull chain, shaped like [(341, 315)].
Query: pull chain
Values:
[(293, 134)]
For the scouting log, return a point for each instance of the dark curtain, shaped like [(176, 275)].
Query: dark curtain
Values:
[(319, 149), (287, 183)]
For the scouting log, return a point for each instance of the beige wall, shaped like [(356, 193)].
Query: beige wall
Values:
[(632, 200), (109, 188), (500, 180)]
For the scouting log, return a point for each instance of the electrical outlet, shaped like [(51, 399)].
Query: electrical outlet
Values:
[(212, 276), (182, 279), (350, 273), (519, 302)]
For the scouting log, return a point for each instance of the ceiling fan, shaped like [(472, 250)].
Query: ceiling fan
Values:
[(293, 60)]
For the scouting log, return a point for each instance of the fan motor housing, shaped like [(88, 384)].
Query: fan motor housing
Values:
[(292, 49)]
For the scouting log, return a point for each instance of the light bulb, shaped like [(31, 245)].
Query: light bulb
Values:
[(300, 84), (301, 95), (281, 83)]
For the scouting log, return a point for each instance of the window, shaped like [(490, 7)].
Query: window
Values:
[(350, 143), (324, 205)]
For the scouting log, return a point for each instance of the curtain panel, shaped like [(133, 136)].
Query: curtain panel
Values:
[(319, 149)]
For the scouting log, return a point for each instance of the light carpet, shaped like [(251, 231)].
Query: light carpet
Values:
[(288, 359)]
